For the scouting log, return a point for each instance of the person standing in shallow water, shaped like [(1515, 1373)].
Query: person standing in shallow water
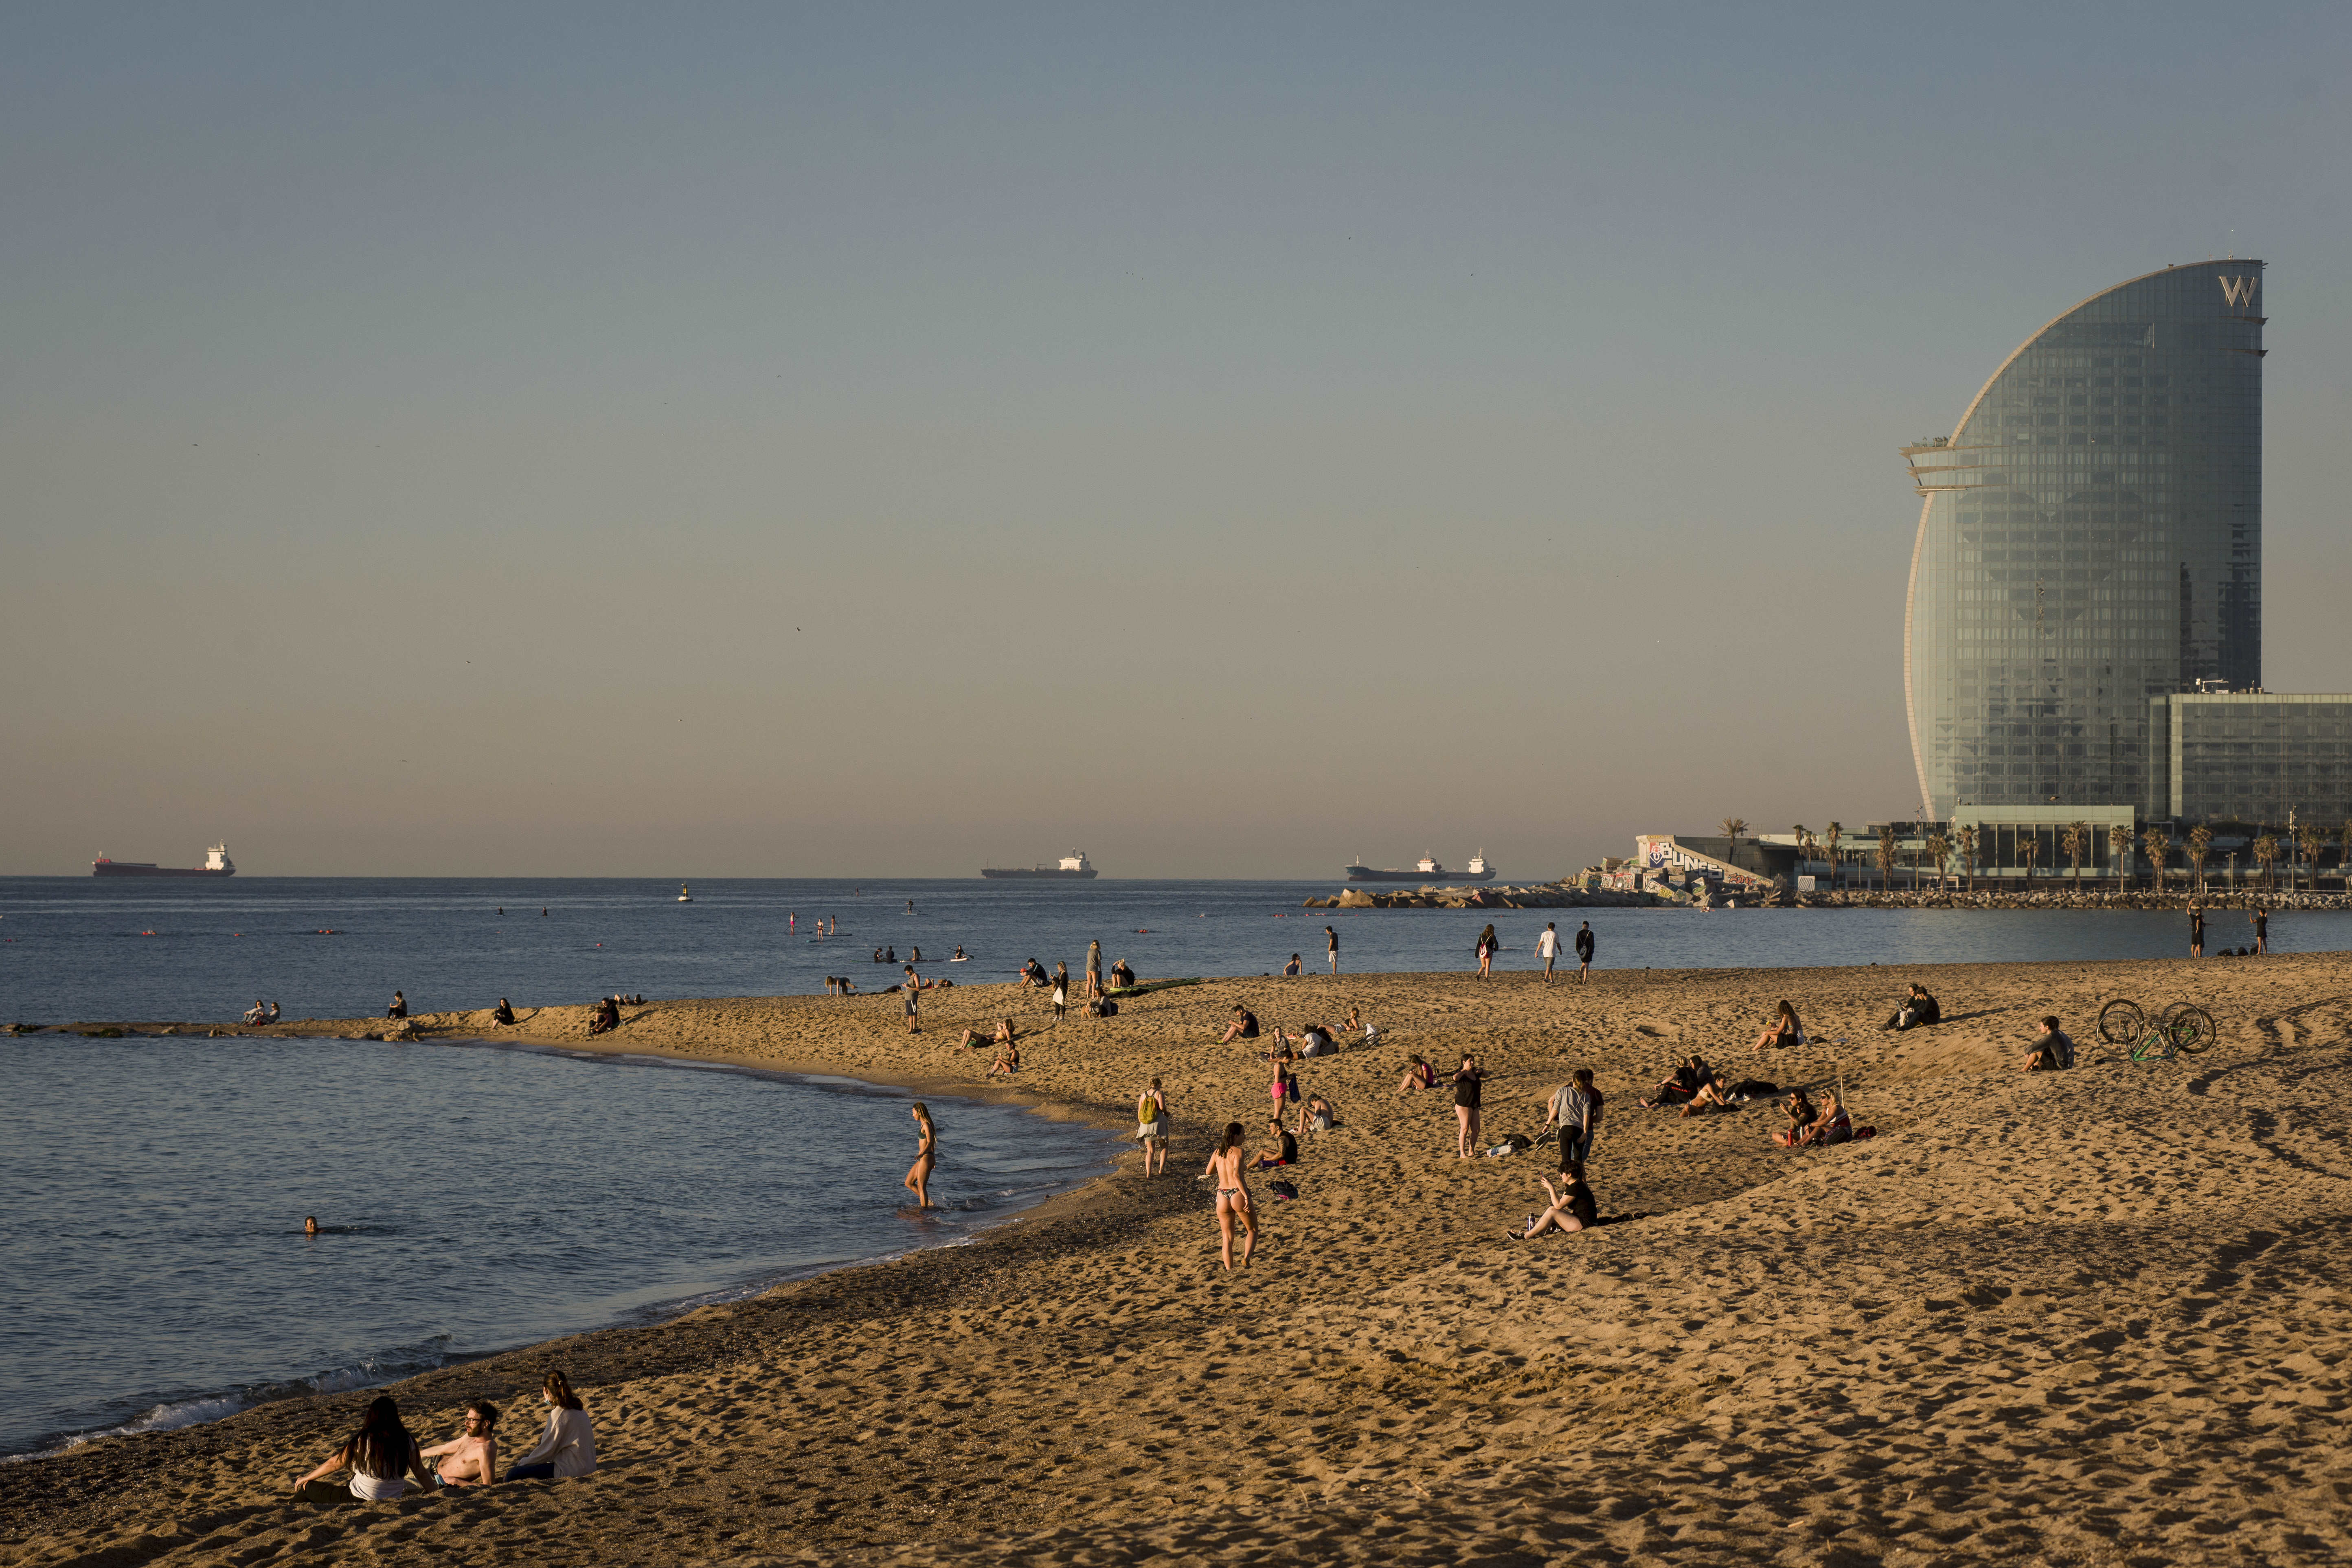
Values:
[(926, 1157)]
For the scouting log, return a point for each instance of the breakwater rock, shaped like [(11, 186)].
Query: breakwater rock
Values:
[(1547, 896)]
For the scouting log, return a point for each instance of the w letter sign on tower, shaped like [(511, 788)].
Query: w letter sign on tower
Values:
[(2238, 291)]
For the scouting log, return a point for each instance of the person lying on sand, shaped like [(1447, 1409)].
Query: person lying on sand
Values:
[(1801, 1115), (1243, 1027), (1420, 1075), (1003, 1036), (471, 1457), (1572, 1208), (1919, 1011), (2051, 1049), (1284, 1152)]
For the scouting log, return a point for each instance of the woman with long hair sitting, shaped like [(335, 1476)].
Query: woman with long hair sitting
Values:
[(1783, 1030), (568, 1446), (380, 1456)]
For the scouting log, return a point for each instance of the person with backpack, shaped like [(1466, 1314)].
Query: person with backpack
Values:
[(1151, 1127)]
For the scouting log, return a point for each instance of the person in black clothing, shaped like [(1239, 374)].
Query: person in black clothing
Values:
[(2262, 931), (1331, 941), (1572, 1208), (503, 1014), (1685, 1083), (2196, 931), (399, 1008), (1032, 974), (1286, 1151), (1918, 1010), (1584, 952), (2052, 1050), (1243, 1027), (1465, 1106)]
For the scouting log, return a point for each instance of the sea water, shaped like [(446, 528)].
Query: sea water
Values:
[(154, 1272), (166, 948)]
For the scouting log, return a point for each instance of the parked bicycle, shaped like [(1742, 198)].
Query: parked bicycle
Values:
[(2183, 1027)]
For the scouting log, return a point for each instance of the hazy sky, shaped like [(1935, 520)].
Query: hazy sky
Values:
[(864, 440)]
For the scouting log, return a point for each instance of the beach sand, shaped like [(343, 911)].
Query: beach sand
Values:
[(2097, 1317)]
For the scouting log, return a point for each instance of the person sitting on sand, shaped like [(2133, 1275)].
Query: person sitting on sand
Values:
[(1802, 1116), (1572, 1208), (2051, 1049), (399, 1008), (380, 1456), (1420, 1075), (1919, 1011), (1243, 1027), (1008, 1060), (1121, 976), (257, 1012), (503, 1014), (1293, 967), (1783, 1030), (1715, 1091), (1317, 1115), (1832, 1126), (607, 1018), (1224, 1168), (1314, 1040), (568, 1447), (471, 1457), (1356, 1025), (1034, 973), (1686, 1082), (1284, 1151)]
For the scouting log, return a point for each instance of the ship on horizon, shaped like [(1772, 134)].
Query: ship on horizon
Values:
[(1074, 867), (216, 863), (1426, 869)]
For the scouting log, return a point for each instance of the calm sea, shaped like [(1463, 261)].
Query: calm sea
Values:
[(78, 948), (152, 1271)]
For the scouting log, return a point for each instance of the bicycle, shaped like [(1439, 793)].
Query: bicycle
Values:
[(2183, 1027)]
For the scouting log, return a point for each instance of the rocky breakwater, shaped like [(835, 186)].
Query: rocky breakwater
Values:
[(1544, 896)]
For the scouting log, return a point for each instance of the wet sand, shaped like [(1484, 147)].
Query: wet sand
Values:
[(2093, 1316)]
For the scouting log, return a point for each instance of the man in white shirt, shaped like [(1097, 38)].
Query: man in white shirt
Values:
[(1548, 947)]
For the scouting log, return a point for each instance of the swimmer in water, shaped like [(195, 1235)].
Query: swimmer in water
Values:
[(311, 1225)]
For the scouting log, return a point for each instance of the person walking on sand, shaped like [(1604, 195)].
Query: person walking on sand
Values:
[(2196, 931), (1584, 952), (1332, 944), (1575, 1109), (926, 1157), (1094, 969), (911, 991), (1465, 1106), (1224, 1168), (1151, 1127), (1548, 947), (1486, 953)]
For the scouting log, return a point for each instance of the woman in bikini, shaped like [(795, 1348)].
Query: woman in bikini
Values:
[(1783, 1030), (1224, 1168), (1486, 953), (927, 1158)]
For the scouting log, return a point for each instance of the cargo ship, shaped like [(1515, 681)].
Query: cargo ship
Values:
[(1074, 867), (216, 863), (1426, 869)]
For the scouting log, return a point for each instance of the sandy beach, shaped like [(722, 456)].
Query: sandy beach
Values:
[(2097, 1317)]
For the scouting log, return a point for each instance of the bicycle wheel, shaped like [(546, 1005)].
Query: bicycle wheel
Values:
[(2121, 1023), (2189, 1028)]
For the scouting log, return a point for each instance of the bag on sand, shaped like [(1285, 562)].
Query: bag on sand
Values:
[(1282, 1189)]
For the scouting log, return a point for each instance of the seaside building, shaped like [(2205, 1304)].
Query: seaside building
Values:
[(2252, 758)]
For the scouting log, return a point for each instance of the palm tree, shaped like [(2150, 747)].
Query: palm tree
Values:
[(2074, 841), (1733, 826), (2266, 856), (1939, 855), (2200, 842), (2119, 849), (1836, 832), (2026, 850), (2159, 844), (2311, 839), (1968, 842), (1886, 855)]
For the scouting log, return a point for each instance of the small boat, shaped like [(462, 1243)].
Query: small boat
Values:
[(683, 895)]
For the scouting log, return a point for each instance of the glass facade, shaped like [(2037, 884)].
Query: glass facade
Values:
[(2091, 539), (2252, 758)]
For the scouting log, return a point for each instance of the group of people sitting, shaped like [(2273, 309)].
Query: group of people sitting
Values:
[(261, 1012), (608, 1013), (1008, 1047), (382, 1455), (1693, 1086)]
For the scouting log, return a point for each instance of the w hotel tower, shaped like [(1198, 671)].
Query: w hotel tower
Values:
[(2092, 539)]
